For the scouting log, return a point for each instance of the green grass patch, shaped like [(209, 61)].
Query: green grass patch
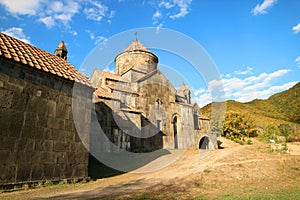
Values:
[(296, 168)]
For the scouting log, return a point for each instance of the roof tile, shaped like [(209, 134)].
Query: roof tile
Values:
[(100, 92), (21, 52)]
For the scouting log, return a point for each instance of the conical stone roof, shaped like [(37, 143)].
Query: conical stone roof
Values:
[(136, 46)]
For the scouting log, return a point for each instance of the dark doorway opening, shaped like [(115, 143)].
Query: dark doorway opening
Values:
[(175, 133), (204, 143)]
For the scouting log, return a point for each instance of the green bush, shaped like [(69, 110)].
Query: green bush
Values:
[(240, 142), (249, 142)]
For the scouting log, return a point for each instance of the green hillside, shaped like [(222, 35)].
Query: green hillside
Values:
[(280, 108)]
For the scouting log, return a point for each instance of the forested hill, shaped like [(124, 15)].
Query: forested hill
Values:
[(283, 107)]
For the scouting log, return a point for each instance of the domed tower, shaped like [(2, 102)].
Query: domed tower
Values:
[(61, 50), (136, 56), (184, 92)]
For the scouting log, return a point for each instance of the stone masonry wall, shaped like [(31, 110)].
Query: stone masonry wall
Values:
[(142, 60), (38, 139)]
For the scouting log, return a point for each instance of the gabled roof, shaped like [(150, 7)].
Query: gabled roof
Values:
[(109, 75), (33, 57), (147, 75), (101, 92), (183, 87)]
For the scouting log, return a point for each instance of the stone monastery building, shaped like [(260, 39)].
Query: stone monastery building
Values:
[(138, 109), (147, 111)]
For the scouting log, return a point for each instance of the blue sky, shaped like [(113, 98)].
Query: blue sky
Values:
[(254, 44)]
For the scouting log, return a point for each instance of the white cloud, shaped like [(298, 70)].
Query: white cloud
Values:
[(65, 18), (181, 7), (247, 71), (202, 97), (59, 12), (91, 35), (28, 7), (159, 27), (57, 6), (166, 4), (48, 21), (199, 91), (100, 39), (111, 14), (296, 28), (245, 90), (264, 93), (298, 61), (96, 11), (17, 33), (173, 9), (157, 15), (107, 69), (56, 13), (262, 8)]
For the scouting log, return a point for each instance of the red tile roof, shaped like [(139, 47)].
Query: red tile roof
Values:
[(109, 75), (21, 52), (100, 92)]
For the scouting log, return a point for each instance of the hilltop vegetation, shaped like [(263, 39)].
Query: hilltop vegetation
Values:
[(281, 109), (284, 105)]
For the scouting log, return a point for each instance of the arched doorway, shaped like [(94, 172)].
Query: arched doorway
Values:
[(175, 132), (204, 143)]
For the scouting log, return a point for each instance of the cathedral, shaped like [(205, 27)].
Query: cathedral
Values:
[(139, 109)]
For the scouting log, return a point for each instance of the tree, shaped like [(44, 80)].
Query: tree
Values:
[(239, 126), (285, 129), (271, 131)]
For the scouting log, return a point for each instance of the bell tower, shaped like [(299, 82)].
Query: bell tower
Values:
[(61, 50), (185, 92)]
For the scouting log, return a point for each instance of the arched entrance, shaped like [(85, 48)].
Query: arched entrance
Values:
[(204, 143), (175, 132)]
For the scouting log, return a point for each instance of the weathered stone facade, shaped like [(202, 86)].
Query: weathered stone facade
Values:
[(145, 108), (38, 138), (43, 136)]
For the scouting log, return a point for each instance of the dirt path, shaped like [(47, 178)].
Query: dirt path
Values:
[(217, 166)]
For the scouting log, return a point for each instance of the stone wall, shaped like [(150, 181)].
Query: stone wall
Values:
[(187, 134), (38, 138), (157, 100)]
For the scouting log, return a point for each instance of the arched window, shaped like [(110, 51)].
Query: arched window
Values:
[(158, 103)]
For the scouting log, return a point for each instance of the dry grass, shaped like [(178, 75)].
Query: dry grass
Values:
[(235, 172)]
